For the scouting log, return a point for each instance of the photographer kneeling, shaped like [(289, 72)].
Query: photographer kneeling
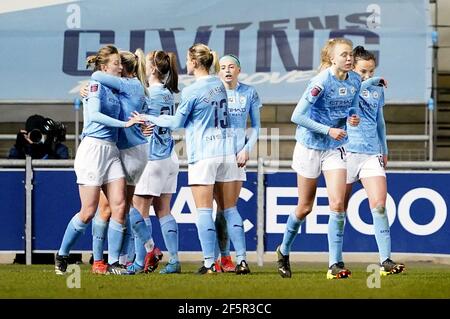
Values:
[(41, 139)]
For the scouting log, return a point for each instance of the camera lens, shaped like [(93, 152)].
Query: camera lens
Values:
[(35, 136)]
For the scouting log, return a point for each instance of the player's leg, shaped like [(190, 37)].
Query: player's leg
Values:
[(115, 192), (306, 163), (336, 189), (169, 229), (228, 194), (306, 193), (376, 189), (89, 196), (203, 197), (99, 231)]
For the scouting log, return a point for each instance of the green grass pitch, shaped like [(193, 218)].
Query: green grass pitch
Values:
[(420, 280)]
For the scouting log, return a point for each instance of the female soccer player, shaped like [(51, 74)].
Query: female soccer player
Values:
[(367, 155), (132, 145), (159, 180), (97, 162), (321, 116), (203, 111), (243, 101)]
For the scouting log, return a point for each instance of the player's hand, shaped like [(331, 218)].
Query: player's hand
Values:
[(84, 91), (354, 120), (242, 158), (383, 82), (337, 133), (385, 160), (132, 120)]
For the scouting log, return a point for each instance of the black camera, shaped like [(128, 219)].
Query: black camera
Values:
[(34, 127), (35, 136)]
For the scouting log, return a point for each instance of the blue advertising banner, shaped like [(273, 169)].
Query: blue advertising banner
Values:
[(56, 200), (12, 210), (278, 43), (416, 206)]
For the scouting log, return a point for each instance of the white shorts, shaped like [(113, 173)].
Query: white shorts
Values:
[(364, 165), (310, 163), (159, 177), (211, 170), (134, 160), (97, 162), (242, 174)]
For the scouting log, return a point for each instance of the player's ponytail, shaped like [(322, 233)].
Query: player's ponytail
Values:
[(204, 57), (102, 57), (134, 65), (172, 77), (166, 68), (140, 68)]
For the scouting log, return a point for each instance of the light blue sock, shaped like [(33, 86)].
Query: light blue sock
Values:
[(115, 240), (169, 229), (99, 229), (74, 230), (140, 252), (382, 232), (292, 226), (207, 235), (336, 225), (138, 225), (126, 236), (236, 232), (223, 238)]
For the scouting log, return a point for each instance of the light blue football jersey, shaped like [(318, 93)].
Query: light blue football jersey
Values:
[(160, 101), (241, 101), (365, 137), (101, 110), (329, 101), (203, 112), (132, 98)]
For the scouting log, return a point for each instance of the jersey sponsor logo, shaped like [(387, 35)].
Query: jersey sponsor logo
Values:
[(365, 94), (94, 87), (343, 91), (375, 95), (316, 90)]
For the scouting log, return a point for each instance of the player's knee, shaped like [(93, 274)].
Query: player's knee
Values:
[(303, 210), (337, 205), (87, 214), (378, 202)]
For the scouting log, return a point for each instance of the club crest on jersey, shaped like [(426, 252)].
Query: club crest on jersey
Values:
[(316, 90), (365, 94), (353, 90), (375, 95), (242, 100), (343, 91), (94, 87)]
